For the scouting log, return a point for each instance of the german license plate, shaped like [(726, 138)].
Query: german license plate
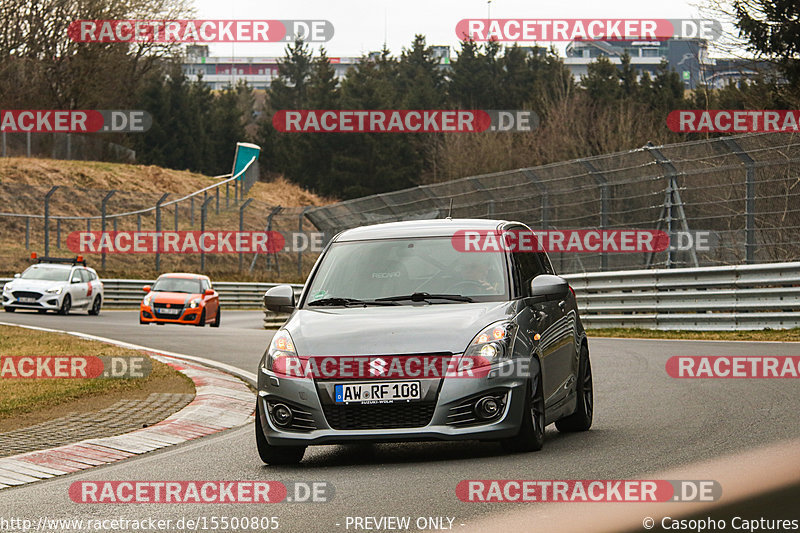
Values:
[(384, 391), (26, 300), (169, 311)]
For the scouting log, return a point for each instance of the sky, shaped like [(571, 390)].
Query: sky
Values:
[(362, 26)]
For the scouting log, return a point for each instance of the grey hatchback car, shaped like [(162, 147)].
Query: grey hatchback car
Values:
[(398, 335)]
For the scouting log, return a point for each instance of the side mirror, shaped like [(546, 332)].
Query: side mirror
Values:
[(146, 288), (17, 275), (209, 292), (546, 287), (76, 280), (280, 299)]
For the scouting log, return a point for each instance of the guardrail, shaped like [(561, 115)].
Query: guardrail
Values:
[(743, 297), (127, 293)]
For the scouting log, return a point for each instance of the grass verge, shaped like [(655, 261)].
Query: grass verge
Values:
[(29, 401)]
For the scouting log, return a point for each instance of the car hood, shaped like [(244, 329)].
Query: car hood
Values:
[(173, 297), (41, 285), (395, 330)]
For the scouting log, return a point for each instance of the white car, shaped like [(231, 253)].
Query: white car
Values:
[(55, 284)]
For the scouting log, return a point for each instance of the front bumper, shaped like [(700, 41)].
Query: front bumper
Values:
[(187, 315), (302, 396), (50, 302)]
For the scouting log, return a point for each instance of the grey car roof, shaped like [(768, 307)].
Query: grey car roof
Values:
[(441, 227)]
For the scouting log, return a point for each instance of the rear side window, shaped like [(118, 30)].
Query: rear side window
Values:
[(205, 284), (85, 277)]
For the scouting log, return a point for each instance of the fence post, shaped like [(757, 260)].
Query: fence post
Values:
[(203, 210), (217, 191), (601, 180), (47, 219), (191, 210), (672, 200), (158, 230), (750, 198), (227, 194), (300, 229), (103, 221), (88, 224), (275, 211), (28, 143), (4, 144), (176, 216), (58, 233), (69, 146), (138, 222), (27, 233), (115, 223), (534, 179), (241, 227)]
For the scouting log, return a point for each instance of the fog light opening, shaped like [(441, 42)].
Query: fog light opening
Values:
[(281, 415), (487, 407)]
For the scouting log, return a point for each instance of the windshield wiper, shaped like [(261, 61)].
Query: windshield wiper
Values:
[(424, 297), (348, 301)]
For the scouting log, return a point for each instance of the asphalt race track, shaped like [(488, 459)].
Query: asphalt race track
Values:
[(645, 421)]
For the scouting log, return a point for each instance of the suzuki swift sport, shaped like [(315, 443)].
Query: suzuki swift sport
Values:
[(400, 335)]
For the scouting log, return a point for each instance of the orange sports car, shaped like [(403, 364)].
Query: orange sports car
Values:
[(180, 298)]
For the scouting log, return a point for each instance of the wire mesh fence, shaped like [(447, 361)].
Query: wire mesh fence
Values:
[(58, 145), (52, 216), (722, 201)]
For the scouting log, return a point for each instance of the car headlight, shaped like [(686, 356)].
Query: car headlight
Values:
[(7, 287), (54, 290), (282, 357), (491, 345), (195, 303), (148, 299)]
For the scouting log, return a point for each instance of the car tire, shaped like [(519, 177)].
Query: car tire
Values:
[(275, 455), (217, 319), (8, 309), (530, 437), (96, 304), (141, 320), (581, 419), (66, 305), (202, 322)]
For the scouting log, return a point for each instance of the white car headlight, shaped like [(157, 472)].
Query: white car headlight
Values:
[(147, 299), (54, 290), (194, 303), (7, 287)]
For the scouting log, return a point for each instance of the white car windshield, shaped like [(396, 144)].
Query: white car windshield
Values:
[(46, 273), (191, 286)]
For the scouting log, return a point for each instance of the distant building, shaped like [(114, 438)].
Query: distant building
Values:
[(687, 57)]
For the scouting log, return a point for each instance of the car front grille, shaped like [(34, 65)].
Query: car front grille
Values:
[(27, 294), (379, 416), (159, 310)]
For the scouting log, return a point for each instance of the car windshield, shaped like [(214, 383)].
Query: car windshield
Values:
[(368, 270), (46, 273), (191, 286)]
